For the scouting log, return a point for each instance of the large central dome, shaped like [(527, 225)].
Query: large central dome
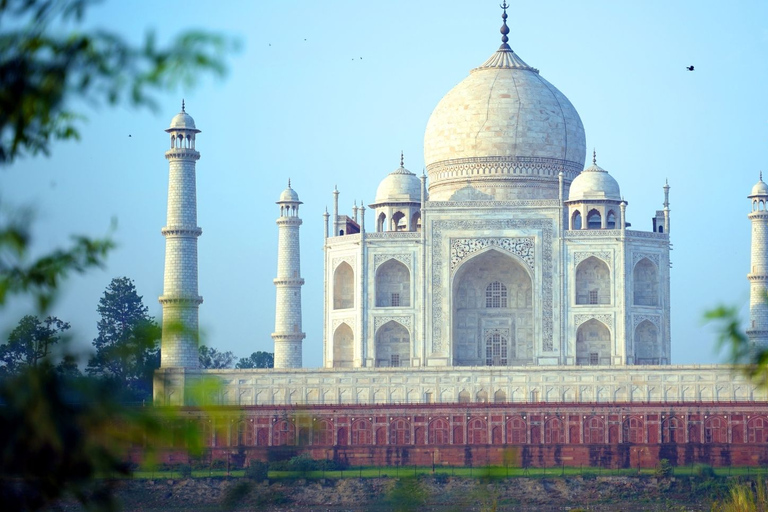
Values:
[(504, 131)]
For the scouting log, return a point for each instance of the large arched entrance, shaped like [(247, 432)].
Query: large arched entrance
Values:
[(492, 311)]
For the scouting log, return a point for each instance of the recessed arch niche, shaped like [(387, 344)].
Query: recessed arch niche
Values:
[(478, 321), (393, 345), (593, 343)]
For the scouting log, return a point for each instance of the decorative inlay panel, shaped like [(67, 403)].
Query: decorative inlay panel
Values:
[(439, 314), (654, 319), (493, 204), (607, 319), (378, 321), (378, 259), (578, 257), (491, 167), (349, 259), (350, 321), (639, 255), (522, 247)]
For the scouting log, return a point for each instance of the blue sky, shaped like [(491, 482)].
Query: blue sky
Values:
[(329, 93)]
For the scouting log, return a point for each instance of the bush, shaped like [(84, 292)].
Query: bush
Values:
[(218, 464), (257, 471), (704, 471), (184, 470), (663, 469)]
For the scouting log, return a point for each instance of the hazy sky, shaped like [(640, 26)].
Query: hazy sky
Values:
[(328, 93)]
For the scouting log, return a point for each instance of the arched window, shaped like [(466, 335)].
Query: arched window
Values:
[(362, 432), (343, 347), (576, 220), (671, 431), (757, 430), (393, 285), (633, 430), (593, 282), (516, 431), (496, 295), (464, 397), (416, 222), (344, 287), (593, 343), (594, 430), (553, 431), (715, 430), (647, 346), (594, 220), (393, 345), (482, 396), (496, 349), (398, 222), (438, 432), (610, 221), (500, 396), (645, 282), (400, 432), (477, 432), (283, 433), (323, 433), (381, 222)]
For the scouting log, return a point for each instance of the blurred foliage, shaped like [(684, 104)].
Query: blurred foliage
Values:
[(744, 497), (748, 359), (127, 350), (257, 360), (213, 359), (30, 342), (45, 65)]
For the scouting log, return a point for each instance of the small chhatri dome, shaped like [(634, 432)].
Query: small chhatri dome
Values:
[(289, 195), (760, 188), (400, 186), (594, 182), (183, 121)]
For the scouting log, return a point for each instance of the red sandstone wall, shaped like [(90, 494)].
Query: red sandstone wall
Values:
[(540, 435)]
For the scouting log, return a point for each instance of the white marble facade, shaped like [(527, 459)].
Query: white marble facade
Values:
[(506, 253)]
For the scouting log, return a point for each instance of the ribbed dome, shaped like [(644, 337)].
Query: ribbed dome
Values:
[(505, 130), (760, 188), (400, 186), (594, 183)]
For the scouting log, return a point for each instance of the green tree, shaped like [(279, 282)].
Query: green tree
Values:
[(127, 350), (30, 343), (212, 359), (257, 360)]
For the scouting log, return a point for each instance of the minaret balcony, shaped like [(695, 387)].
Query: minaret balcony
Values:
[(182, 153), (181, 231)]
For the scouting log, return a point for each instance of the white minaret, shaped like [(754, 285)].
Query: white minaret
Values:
[(758, 274), (180, 300), (288, 334)]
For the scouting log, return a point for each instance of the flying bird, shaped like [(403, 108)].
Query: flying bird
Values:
[(689, 68)]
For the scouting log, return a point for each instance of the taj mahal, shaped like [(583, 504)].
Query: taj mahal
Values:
[(506, 272)]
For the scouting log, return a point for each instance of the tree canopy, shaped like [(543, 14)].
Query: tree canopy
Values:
[(257, 360), (127, 349), (30, 342), (212, 359)]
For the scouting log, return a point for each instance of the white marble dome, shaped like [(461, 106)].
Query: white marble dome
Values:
[(399, 186), (503, 124), (760, 188), (183, 121), (594, 183), (289, 195)]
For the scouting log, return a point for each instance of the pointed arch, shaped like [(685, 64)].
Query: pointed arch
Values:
[(438, 432), (381, 222), (464, 397), (393, 284), (594, 219), (610, 220), (399, 222), (343, 346), (594, 430), (477, 431), (362, 432), (647, 345), (593, 343), (500, 396), (554, 431), (416, 221), (576, 220), (343, 286), (491, 299), (645, 283), (593, 282), (393, 345)]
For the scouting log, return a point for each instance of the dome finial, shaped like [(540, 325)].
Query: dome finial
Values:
[(289, 182), (594, 156), (504, 28), (761, 175), (402, 162), (182, 105)]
